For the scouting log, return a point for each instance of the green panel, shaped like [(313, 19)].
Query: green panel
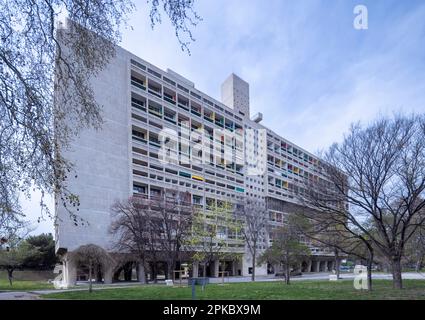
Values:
[(185, 174)]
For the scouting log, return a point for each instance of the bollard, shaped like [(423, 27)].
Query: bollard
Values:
[(193, 290)]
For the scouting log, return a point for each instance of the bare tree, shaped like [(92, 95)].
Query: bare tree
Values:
[(287, 249), (92, 256), (374, 185), (415, 248), (255, 216), (39, 56), (173, 225), (329, 230), (182, 17), (155, 228), (135, 235)]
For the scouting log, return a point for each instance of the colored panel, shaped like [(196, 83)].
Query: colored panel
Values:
[(185, 174)]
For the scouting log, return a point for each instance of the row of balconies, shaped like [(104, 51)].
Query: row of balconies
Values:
[(183, 102), (144, 177), (179, 119)]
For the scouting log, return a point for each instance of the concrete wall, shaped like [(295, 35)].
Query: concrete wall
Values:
[(247, 263), (235, 94), (31, 275), (102, 161)]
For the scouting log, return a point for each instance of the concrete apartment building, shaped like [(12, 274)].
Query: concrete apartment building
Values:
[(121, 159)]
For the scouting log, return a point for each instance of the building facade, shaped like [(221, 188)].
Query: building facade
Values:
[(143, 106)]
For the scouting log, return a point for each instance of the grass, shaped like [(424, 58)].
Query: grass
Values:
[(316, 290), (24, 285)]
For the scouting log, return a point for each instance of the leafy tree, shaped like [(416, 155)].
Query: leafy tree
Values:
[(14, 257), (210, 232), (286, 250), (46, 257)]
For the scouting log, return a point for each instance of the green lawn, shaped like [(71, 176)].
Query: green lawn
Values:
[(24, 285), (343, 289)]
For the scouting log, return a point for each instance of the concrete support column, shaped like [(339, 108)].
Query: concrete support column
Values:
[(216, 268), (195, 269), (108, 273), (317, 266), (141, 272), (333, 267), (234, 268), (309, 266), (69, 271)]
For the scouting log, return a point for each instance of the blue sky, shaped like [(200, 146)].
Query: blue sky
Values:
[(310, 72)]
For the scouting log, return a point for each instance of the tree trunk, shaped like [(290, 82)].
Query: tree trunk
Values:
[(253, 265), (117, 274), (369, 274), (170, 270), (419, 262), (128, 271), (141, 273), (204, 270), (154, 272), (90, 284), (396, 271), (337, 263), (287, 274), (10, 275)]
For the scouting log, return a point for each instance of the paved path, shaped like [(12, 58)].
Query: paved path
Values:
[(317, 276), (5, 295), (34, 295)]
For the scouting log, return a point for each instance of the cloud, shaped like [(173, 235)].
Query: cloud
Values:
[(310, 72)]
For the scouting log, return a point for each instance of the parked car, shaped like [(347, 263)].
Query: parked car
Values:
[(345, 269)]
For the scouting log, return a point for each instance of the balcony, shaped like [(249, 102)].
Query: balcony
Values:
[(138, 83), (169, 96), (209, 116), (229, 125), (139, 139), (196, 110), (155, 89), (155, 143), (184, 106), (155, 109), (183, 102), (138, 104), (139, 136), (219, 122), (170, 116), (153, 140)]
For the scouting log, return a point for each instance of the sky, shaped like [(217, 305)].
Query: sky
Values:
[(311, 73)]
